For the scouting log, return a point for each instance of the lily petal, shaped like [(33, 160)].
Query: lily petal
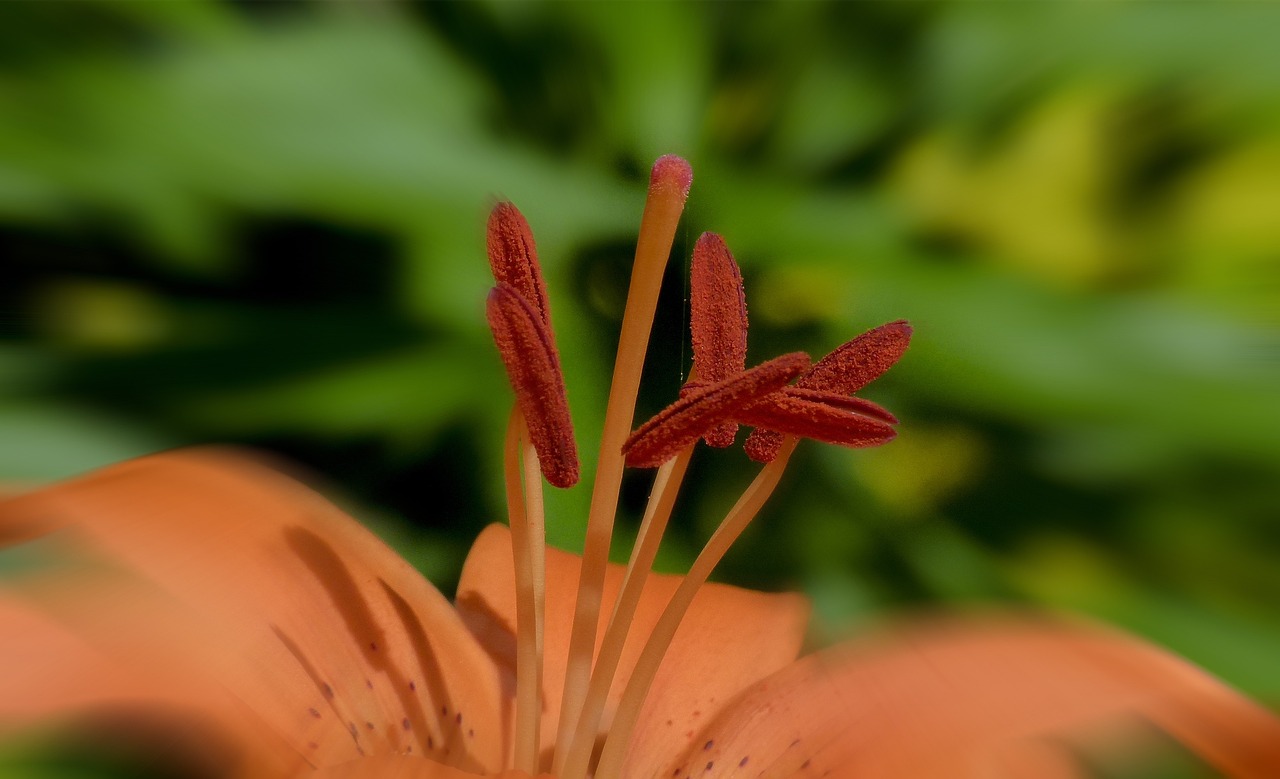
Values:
[(402, 768), (310, 622), (731, 638), (958, 699), (95, 647)]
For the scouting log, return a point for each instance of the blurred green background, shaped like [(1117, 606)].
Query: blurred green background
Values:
[(262, 224)]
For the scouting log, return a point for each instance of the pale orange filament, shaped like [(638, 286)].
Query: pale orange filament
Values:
[(528, 548), (624, 721), (666, 485), (668, 188)]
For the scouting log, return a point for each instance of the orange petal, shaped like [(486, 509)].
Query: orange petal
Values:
[(322, 632), (533, 365), (700, 410), (92, 648), (958, 699), (402, 768), (731, 638)]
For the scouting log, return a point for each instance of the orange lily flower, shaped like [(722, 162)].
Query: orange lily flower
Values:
[(278, 638)]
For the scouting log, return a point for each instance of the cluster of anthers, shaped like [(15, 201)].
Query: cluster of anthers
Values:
[(784, 399)]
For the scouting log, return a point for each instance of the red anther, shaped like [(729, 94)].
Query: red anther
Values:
[(857, 363), (763, 444), (533, 366), (513, 256), (846, 402), (690, 417), (847, 369), (832, 423), (717, 321)]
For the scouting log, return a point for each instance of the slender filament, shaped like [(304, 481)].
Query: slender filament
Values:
[(525, 513), (646, 669), (668, 188), (666, 485)]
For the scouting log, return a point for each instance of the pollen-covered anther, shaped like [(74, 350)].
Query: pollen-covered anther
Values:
[(822, 416), (847, 369), (533, 366), (701, 409), (856, 363), (513, 257), (717, 321)]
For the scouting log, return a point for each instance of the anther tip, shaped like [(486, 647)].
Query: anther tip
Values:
[(709, 239), (671, 172)]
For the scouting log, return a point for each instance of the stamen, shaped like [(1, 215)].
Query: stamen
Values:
[(669, 184), (857, 363), (847, 369), (690, 417), (525, 516), (812, 416), (533, 367), (646, 668), (717, 321), (762, 445), (513, 257), (662, 498), (849, 402)]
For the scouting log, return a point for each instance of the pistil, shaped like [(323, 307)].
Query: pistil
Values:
[(668, 188)]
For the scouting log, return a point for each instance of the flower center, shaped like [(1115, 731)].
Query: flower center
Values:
[(720, 394)]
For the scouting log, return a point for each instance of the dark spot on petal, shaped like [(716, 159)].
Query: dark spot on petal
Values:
[(458, 719), (793, 743), (373, 646), (804, 765), (670, 722), (710, 764), (431, 743), (444, 710), (471, 733), (351, 726), (404, 723), (743, 762), (708, 745), (314, 712), (328, 691), (368, 726), (368, 683), (408, 749), (413, 686), (313, 745)]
